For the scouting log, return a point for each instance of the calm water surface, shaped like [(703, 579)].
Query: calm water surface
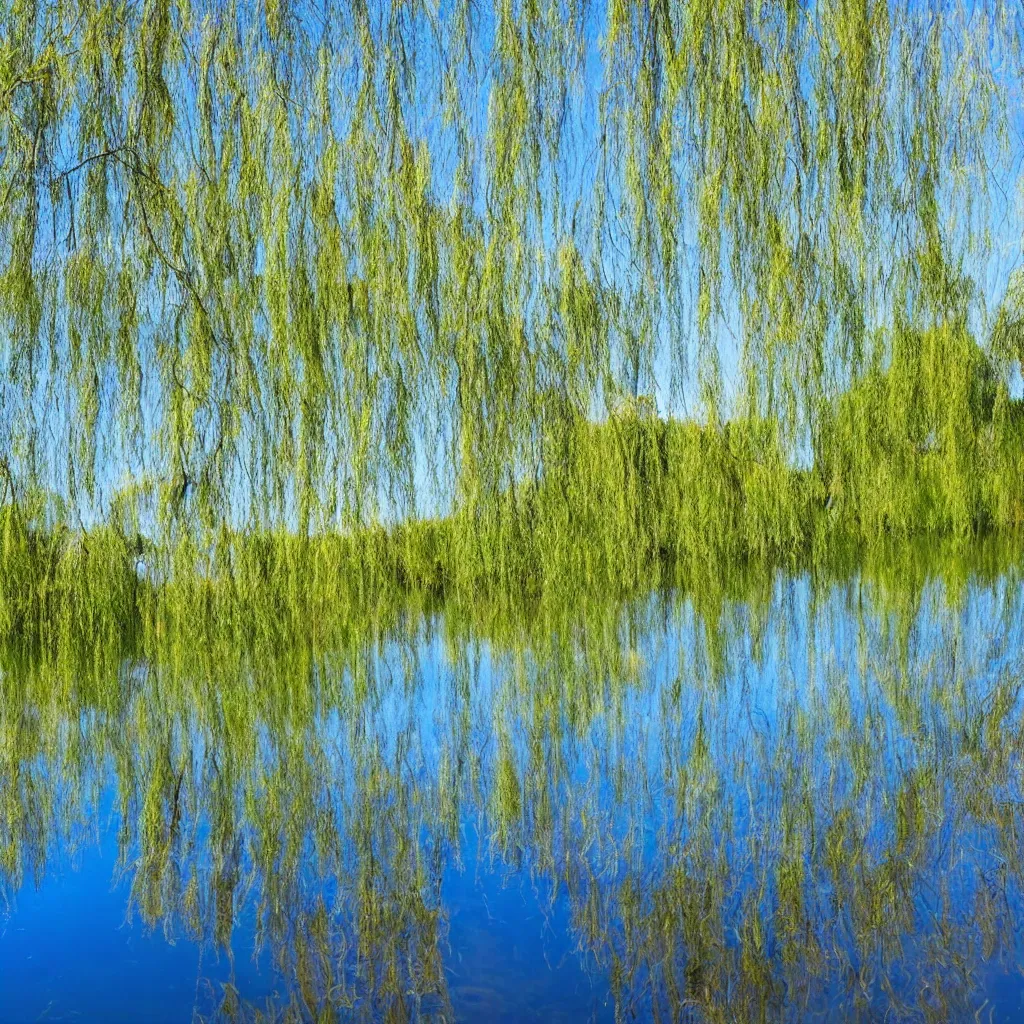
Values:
[(801, 801)]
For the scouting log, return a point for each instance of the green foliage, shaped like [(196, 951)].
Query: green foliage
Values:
[(346, 297), (929, 441), (327, 329)]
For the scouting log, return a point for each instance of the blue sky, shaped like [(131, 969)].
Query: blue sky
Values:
[(578, 169)]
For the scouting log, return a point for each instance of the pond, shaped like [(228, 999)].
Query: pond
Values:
[(796, 797)]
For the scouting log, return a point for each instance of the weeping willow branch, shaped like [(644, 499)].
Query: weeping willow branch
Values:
[(672, 278)]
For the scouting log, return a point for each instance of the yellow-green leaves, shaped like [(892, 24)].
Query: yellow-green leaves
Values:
[(318, 268)]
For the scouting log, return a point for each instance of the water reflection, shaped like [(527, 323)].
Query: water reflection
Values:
[(798, 796)]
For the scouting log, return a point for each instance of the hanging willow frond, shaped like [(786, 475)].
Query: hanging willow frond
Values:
[(317, 269)]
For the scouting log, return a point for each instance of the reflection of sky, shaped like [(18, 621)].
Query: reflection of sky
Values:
[(787, 672), (68, 952)]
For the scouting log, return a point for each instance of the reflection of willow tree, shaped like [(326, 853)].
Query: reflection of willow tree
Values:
[(748, 800), (314, 267)]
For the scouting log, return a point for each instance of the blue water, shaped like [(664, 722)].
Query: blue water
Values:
[(806, 804), (68, 952)]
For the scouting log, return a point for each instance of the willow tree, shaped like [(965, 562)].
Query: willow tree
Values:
[(314, 267)]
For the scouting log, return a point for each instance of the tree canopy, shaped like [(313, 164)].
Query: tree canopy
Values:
[(318, 266)]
